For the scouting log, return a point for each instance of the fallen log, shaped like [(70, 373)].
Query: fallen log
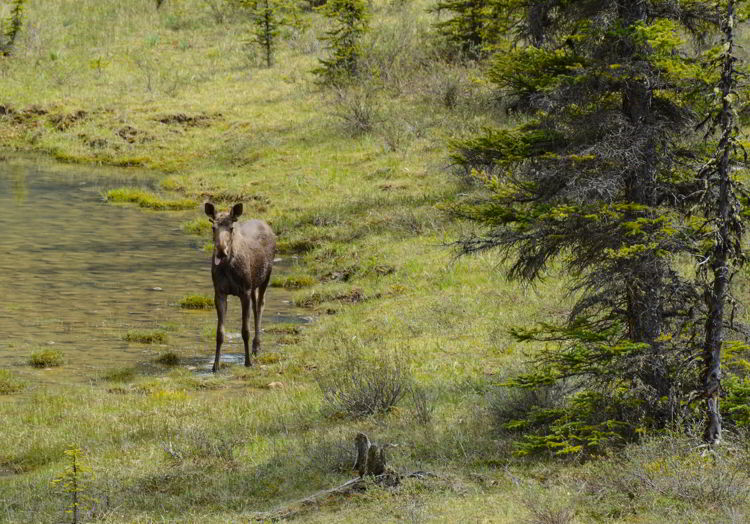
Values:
[(372, 468)]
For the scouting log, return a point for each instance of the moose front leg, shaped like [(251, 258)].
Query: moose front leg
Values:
[(221, 312), (245, 300)]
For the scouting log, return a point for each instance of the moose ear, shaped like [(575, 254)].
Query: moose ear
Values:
[(210, 210), (236, 211)]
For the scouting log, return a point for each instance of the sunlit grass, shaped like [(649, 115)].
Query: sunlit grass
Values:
[(176, 92)]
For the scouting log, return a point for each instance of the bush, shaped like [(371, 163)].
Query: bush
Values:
[(358, 387), (170, 358), (46, 358), (358, 110), (9, 383)]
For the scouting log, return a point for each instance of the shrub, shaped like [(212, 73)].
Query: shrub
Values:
[(146, 337), (9, 383), (197, 302), (358, 387), (357, 109), (670, 467), (46, 358), (170, 358)]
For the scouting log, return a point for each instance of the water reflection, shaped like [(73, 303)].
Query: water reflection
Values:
[(77, 274)]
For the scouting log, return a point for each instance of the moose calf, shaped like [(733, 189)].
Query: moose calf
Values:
[(241, 266)]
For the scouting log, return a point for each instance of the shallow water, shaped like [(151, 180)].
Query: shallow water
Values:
[(76, 274)]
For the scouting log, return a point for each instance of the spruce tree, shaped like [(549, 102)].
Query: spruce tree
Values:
[(472, 27), (266, 19), (350, 22), (12, 26), (599, 182)]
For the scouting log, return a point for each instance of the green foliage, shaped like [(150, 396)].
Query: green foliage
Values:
[(46, 358), (12, 26), (74, 482), (350, 22), (9, 383), (475, 26), (581, 181)]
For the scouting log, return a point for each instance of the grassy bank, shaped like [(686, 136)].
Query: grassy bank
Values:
[(353, 180)]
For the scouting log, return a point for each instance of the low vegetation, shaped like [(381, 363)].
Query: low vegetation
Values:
[(46, 358), (146, 336), (197, 302), (10, 383), (407, 342), (148, 200)]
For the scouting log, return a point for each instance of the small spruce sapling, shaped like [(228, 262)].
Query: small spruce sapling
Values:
[(269, 17), (74, 482), (12, 26)]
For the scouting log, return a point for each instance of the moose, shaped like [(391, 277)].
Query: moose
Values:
[(241, 266)]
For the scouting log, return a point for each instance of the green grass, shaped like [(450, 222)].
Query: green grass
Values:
[(148, 200), (10, 383), (46, 358), (293, 281), (197, 302), (146, 336), (177, 92)]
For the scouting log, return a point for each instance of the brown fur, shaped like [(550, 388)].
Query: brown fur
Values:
[(241, 266)]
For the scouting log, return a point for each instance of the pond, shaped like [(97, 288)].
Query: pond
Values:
[(76, 274)]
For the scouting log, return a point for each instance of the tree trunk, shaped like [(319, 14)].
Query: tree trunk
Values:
[(716, 297)]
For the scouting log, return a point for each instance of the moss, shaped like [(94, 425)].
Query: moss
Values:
[(146, 337), (197, 302), (46, 358), (9, 383), (148, 200)]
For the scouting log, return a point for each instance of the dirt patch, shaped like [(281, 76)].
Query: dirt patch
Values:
[(132, 135), (64, 120), (199, 120)]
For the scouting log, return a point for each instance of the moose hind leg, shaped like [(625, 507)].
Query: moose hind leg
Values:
[(245, 300), (221, 311), (258, 303)]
